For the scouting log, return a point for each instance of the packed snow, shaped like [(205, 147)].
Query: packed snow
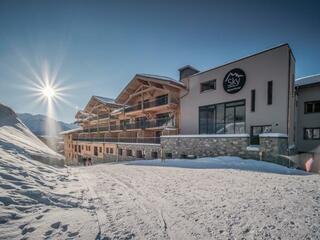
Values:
[(208, 198)]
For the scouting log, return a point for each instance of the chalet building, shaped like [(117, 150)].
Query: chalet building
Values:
[(129, 126), (249, 107)]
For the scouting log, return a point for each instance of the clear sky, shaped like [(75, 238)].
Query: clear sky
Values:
[(96, 47)]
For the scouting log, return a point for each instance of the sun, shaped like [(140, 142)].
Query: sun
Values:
[(49, 91)]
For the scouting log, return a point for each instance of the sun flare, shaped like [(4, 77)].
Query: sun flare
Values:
[(49, 91)]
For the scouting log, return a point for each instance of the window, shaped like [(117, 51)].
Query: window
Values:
[(82, 147), (129, 152), (312, 133), (209, 85), (312, 107), (139, 154), (124, 123), (107, 150), (253, 100), (111, 150), (162, 119), (79, 148), (256, 130), (222, 118), (100, 149), (270, 92), (95, 151), (154, 155), (120, 151), (168, 155), (161, 100)]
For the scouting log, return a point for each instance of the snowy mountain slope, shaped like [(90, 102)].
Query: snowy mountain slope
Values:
[(16, 137), (37, 200), (37, 123)]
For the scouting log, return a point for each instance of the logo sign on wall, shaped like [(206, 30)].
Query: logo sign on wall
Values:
[(234, 81)]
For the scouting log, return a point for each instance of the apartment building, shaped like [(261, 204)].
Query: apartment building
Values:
[(129, 126), (248, 108)]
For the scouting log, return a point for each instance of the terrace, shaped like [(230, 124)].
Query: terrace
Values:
[(135, 125), (154, 140)]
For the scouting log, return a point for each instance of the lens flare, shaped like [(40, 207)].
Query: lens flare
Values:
[(49, 91)]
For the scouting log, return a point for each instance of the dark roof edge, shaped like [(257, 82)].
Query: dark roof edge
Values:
[(188, 66), (308, 85), (249, 56)]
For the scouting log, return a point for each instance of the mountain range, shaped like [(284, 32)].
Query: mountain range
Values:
[(37, 123)]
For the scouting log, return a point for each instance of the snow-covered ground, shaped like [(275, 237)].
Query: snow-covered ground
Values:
[(210, 198)]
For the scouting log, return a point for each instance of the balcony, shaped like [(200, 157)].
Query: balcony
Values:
[(155, 140), (146, 124), (164, 100)]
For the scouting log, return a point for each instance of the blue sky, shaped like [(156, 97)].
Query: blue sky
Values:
[(97, 46)]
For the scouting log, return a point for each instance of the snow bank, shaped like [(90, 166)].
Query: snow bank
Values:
[(16, 137), (35, 197), (225, 162)]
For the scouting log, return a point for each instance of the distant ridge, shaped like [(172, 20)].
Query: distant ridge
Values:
[(37, 123)]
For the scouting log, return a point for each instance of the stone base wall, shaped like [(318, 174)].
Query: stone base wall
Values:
[(146, 149), (204, 146), (271, 148)]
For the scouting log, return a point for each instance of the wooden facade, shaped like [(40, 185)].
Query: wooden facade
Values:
[(146, 108)]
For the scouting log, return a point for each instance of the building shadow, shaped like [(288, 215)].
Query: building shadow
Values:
[(224, 162)]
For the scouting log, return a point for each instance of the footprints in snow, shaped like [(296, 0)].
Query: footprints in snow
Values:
[(59, 228)]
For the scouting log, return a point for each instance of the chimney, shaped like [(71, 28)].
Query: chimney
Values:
[(187, 71)]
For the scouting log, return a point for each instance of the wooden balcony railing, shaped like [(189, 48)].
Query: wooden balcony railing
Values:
[(143, 124), (155, 140), (148, 104)]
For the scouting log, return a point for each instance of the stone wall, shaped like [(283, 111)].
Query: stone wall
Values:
[(146, 149), (205, 145), (273, 147)]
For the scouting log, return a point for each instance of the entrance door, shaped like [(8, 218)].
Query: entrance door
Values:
[(95, 151)]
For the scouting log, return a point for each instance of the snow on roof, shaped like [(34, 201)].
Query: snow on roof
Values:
[(71, 131), (164, 78), (308, 80), (156, 76), (105, 99)]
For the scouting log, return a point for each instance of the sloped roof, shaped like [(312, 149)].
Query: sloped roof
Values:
[(309, 80), (71, 131), (152, 78), (159, 77), (104, 100)]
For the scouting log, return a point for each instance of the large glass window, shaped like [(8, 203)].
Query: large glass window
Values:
[(222, 118)]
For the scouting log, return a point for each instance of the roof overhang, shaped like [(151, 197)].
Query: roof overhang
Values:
[(139, 79)]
